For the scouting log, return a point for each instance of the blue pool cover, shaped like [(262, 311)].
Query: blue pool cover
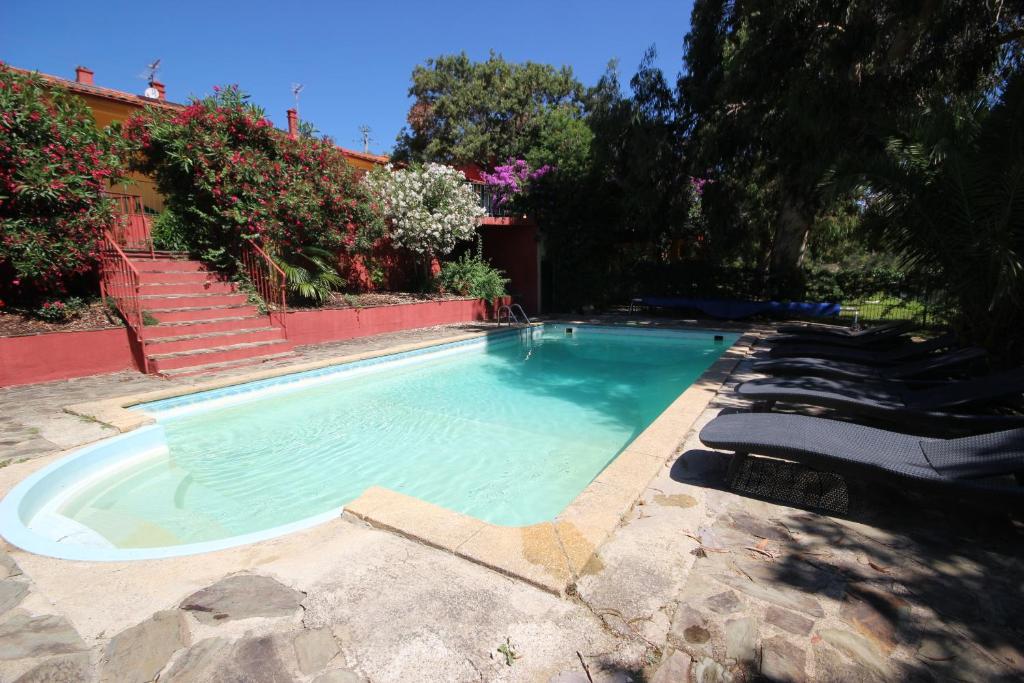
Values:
[(734, 309)]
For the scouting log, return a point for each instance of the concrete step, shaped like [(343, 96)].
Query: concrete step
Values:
[(200, 313), (167, 266), (167, 277), (216, 354), (191, 327), (163, 302), (156, 253), (195, 342), (210, 368), (209, 286)]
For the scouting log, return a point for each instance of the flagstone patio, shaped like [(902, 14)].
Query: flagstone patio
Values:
[(696, 583)]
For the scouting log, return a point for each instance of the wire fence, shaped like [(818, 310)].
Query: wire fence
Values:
[(866, 296)]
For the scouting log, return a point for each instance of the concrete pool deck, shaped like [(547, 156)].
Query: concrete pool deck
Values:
[(690, 578)]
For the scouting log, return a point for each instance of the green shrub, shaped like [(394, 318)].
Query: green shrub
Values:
[(58, 311), (471, 276), (170, 232), (310, 274)]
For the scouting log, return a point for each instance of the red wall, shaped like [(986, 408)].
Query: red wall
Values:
[(510, 244), (62, 355), (315, 327)]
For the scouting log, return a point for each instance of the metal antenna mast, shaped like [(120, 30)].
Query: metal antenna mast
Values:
[(296, 91), (364, 130), (150, 73)]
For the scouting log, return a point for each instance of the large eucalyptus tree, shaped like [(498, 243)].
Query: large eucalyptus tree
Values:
[(782, 90)]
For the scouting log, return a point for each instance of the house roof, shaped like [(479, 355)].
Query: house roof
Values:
[(374, 158), (97, 91), (142, 100)]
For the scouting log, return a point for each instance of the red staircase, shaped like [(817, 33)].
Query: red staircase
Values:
[(194, 321), (185, 319)]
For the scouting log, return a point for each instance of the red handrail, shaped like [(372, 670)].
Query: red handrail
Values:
[(132, 227), (119, 280), (267, 279)]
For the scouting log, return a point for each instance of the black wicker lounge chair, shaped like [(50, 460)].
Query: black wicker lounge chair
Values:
[(907, 350), (929, 409), (930, 366), (970, 465), (883, 335), (843, 331)]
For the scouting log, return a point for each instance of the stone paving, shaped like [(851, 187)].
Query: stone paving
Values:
[(698, 583)]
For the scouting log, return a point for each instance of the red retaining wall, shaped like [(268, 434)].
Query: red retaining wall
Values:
[(63, 355), (316, 327)]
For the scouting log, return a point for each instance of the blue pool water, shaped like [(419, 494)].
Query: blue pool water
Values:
[(508, 430)]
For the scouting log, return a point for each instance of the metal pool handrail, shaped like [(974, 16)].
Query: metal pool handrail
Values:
[(512, 317)]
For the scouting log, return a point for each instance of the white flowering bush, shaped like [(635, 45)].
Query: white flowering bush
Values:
[(430, 208)]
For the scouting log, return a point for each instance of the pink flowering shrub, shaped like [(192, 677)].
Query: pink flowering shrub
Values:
[(697, 185), (228, 175), (54, 163), (513, 179), (61, 311)]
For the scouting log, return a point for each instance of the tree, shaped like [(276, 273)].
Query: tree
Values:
[(783, 90), (948, 197), (614, 213), (54, 166), (484, 112)]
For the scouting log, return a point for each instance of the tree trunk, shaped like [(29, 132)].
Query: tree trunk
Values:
[(788, 248)]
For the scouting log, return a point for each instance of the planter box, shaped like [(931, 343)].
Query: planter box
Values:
[(63, 355), (317, 327)]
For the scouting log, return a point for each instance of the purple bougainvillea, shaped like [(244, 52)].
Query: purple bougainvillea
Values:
[(698, 184), (513, 178)]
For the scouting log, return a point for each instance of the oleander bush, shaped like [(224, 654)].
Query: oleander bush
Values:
[(228, 175), (57, 311), (430, 208), (54, 165)]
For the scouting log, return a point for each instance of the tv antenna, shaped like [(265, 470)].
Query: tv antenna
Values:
[(364, 131), (150, 73), (296, 91)]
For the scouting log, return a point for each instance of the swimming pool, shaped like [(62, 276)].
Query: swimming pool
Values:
[(508, 428)]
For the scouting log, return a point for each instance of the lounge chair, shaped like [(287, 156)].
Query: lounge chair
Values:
[(843, 331), (871, 337), (930, 365), (908, 350), (956, 465), (929, 409)]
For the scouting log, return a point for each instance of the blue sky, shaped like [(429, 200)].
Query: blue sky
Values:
[(354, 58)]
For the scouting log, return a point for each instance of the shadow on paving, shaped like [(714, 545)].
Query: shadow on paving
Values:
[(937, 576)]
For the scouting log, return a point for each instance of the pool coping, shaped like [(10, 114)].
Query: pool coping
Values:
[(553, 555), (550, 555)]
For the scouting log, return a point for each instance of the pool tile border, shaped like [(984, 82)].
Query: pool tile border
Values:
[(550, 555), (553, 555), (115, 411)]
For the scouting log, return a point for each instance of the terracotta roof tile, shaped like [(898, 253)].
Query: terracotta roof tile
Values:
[(141, 101), (97, 91)]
